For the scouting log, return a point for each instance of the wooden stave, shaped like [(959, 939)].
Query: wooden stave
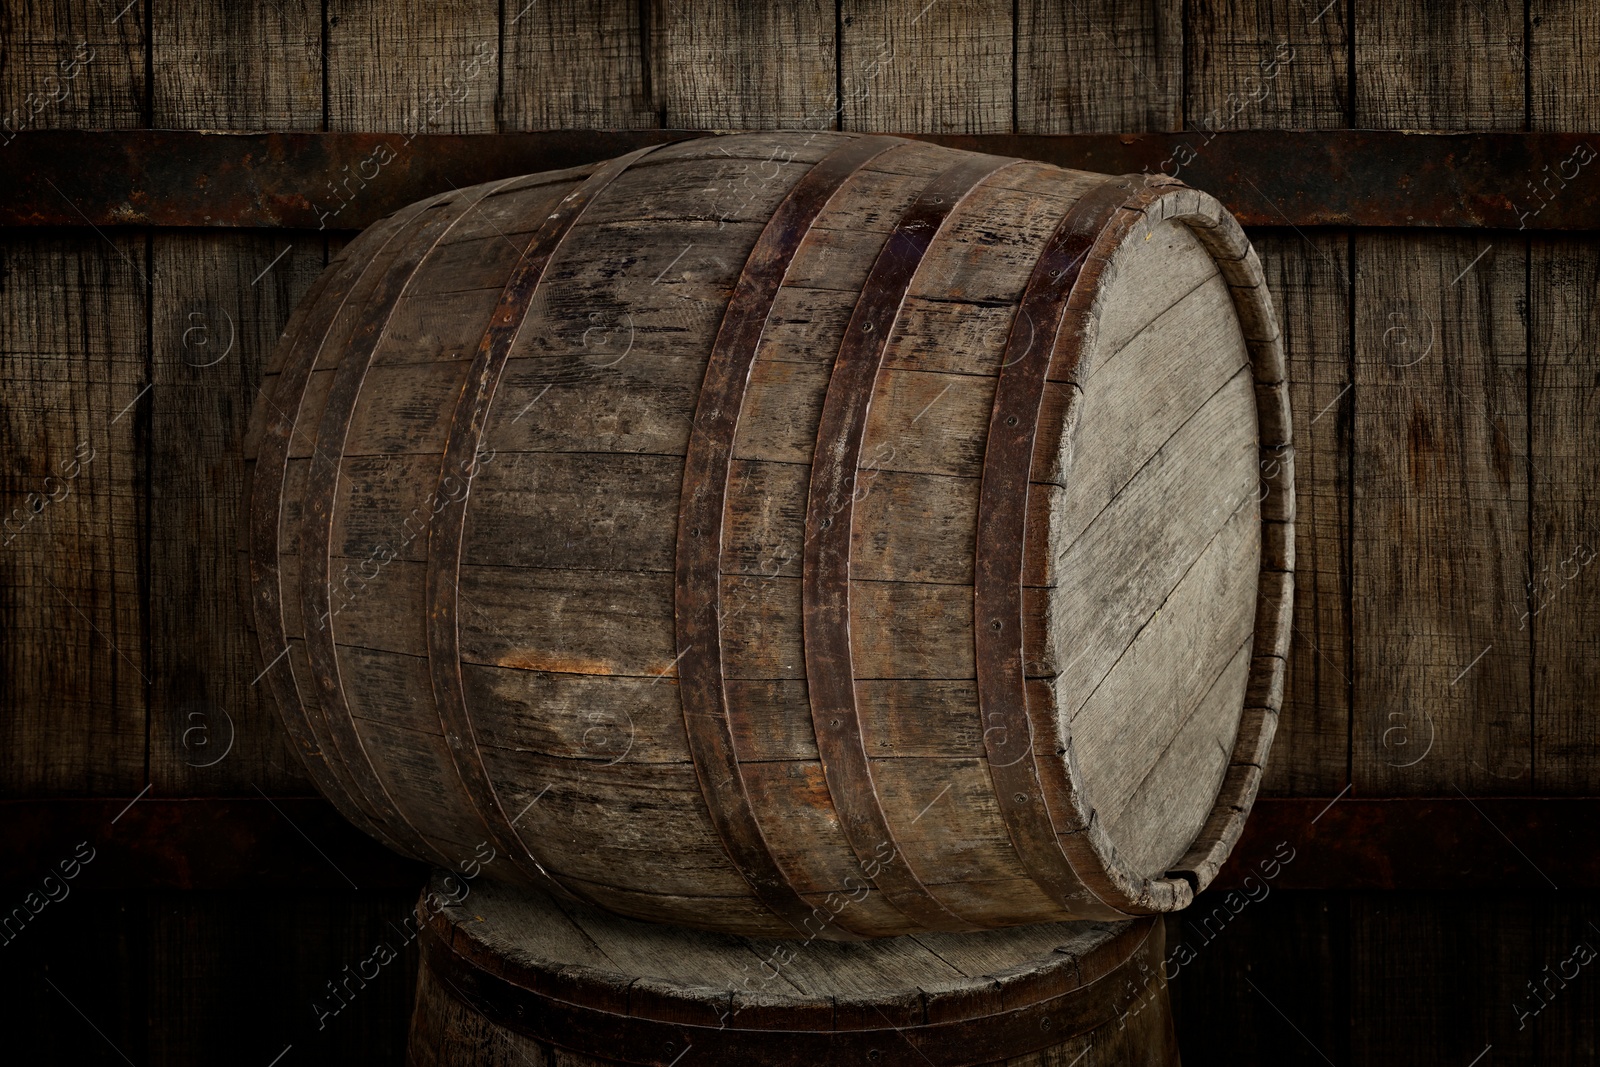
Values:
[(697, 591), (444, 537), (1232, 805), (829, 513), (313, 745)]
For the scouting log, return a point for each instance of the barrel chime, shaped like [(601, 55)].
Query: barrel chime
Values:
[(823, 598)]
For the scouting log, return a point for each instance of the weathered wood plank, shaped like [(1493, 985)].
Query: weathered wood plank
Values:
[(1311, 282), (249, 67), (413, 67), (550, 510), (71, 64), (1558, 608), (1450, 68), (1440, 526), (811, 848), (1151, 279), (76, 423), (950, 442), (413, 763), (1126, 732), (218, 305), (594, 821), (580, 716), (975, 849), (1176, 785), (1127, 79), (574, 64), (1099, 607), (1136, 400), (743, 66), (943, 67), (1563, 81), (572, 622), (1263, 66), (1563, 369)]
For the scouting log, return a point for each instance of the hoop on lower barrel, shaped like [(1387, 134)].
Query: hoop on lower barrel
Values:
[(1056, 991)]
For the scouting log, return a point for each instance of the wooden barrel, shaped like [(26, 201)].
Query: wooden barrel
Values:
[(715, 530), (509, 976)]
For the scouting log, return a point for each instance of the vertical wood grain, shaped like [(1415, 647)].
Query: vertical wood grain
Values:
[(72, 64), (575, 63), (237, 67), (940, 67), (1440, 522), (1309, 278), (1564, 398), (413, 66), (725, 65), (1086, 67), (1264, 65), (1563, 65), (1440, 519), (1254, 66), (219, 303), (74, 428), (1564, 584), (1439, 66)]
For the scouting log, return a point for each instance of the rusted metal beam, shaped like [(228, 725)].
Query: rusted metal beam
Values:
[(345, 181)]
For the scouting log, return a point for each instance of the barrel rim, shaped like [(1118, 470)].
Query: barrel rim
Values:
[(1018, 750), (1087, 843), (644, 1019)]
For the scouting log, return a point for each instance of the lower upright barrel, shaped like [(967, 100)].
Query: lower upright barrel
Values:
[(794, 534)]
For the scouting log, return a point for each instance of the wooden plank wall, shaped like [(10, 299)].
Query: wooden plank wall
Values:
[(1446, 384)]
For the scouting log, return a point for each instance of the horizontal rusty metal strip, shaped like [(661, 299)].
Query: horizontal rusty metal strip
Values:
[(346, 181), (225, 843)]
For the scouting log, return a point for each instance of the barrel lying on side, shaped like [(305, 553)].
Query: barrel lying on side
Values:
[(756, 522)]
